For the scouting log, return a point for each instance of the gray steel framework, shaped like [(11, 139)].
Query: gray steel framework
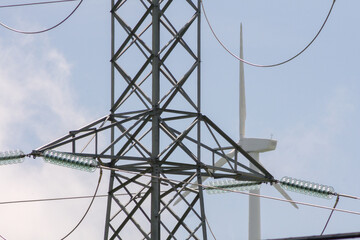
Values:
[(155, 126)]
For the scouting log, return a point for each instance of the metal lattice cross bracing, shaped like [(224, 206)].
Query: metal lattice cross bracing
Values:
[(155, 126)]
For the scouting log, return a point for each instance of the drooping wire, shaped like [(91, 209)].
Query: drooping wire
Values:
[(88, 209), (332, 211), (44, 30), (2, 237), (240, 192), (34, 3), (270, 65), (207, 223)]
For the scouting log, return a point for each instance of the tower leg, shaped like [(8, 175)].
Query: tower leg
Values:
[(155, 182)]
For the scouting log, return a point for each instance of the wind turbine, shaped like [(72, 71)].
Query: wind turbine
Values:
[(254, 146)]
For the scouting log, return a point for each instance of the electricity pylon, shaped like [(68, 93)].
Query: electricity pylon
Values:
[(155, 138)]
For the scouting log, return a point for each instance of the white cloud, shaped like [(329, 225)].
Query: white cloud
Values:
[(36, 96), (37, 105)]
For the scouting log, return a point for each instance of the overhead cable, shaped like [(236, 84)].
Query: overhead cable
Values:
[(195, 184), (34, 3), (65, 198), (207, 223), (88, 209), (270, 65), (44, 30), (352, 235), (332, 211), (240, 192), (51, 199)]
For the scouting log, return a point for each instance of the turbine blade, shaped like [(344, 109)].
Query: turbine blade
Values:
[(219, 163), (285, 195), (242, 102)]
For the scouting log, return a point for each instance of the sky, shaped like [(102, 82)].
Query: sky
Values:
[(58, 81)]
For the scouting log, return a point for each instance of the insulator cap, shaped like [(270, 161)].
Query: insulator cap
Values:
[(70, 160), (305, 187), (11, 157), (231, 184)]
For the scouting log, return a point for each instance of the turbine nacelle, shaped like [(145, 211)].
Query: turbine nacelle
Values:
[(258, 145)]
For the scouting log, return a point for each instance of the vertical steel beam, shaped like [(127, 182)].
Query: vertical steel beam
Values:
[(199, 179), (155, 182), (112, 134)]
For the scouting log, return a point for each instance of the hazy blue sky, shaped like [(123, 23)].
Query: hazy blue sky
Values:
[(57, 81)]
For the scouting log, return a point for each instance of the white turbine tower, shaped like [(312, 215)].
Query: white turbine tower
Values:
[(254, 146)]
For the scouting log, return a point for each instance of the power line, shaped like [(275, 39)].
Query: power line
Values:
[(323, 237), (348, 196), (327, 222), (207, 223), (52, 199), (34, 3), (64, 198), (240, 192), (270, 65), (196, 184), (44, 30), (88, 209)]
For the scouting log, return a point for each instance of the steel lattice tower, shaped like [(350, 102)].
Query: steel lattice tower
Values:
[(155, 137)]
